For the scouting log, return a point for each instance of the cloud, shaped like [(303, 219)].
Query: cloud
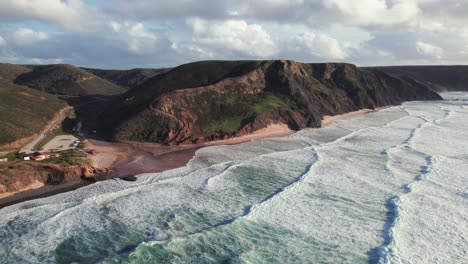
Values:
[(150, 33), (429, 50), (137, 38), (71, 14), (319, 45), (373, 12), (271, 10), (157, 10), (2, 42), (26, 36), (235, 36)]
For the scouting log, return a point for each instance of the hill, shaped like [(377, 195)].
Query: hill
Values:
[(23, 111), (9, 72), (66, 80), (211, 100), (439, 78), (126, 78)]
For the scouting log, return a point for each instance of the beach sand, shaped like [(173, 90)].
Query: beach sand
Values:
[(327, 120), (133, 158)]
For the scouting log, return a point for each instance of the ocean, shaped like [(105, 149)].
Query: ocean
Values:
[(384, 187)]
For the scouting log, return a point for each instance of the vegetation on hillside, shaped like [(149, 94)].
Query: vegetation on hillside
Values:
[(192, 75), (200, 101), (67, 80), (127, 78), (24, 111)]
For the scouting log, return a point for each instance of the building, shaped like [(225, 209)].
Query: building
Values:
[(40, 156)]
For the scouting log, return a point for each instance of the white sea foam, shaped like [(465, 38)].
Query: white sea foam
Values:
[(385, 187)]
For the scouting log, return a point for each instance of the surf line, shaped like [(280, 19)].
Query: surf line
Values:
[(388, 252), (248, 210)]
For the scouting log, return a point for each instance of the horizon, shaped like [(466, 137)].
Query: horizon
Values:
[(108, 34), (175, 66)]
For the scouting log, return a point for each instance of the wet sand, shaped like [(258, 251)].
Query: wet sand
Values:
[(134, 158), (327, 120)]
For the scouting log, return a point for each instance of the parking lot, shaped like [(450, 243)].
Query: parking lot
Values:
[(60, 143)]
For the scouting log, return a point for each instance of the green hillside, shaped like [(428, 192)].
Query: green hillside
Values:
[(24, 111), (126, 78), (67, 80), (192, 75)]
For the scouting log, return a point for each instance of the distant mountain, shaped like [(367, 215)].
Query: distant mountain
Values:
[(439, 78), (66, 79), (211, 100), (126, 78)]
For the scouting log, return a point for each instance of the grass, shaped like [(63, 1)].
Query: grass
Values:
[(12, 156), (228, 125), (69, 158), (127, 78), (67, 80), (7, 173), (24, 111), (193, 75), (237, 109), (271, 101)]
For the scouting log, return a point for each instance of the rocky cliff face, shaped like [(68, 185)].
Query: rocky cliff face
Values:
[(240, 102)]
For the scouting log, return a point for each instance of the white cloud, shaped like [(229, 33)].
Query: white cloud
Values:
[(71, 14), (374, 12), (319, 45), (138, 39), (429, 50), (26, 36), (235, 36), (2, 42), (120, 32)]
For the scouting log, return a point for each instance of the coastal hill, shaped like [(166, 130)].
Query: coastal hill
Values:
[(212, 100), (126, 78), (23, 111), (66, 79), (30, 95), (439, 78)]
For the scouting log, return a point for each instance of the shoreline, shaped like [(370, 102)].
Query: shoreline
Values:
[(127, 159)]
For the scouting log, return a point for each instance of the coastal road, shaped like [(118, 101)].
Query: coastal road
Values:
[(28, 148)]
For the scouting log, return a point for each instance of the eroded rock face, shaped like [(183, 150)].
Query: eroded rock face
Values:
[(288, 92), (19, 176)]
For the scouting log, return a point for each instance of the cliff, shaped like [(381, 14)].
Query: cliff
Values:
[(438, 78), (207, 101)]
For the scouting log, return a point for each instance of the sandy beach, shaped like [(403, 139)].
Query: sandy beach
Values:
[(132, 158), (327, 120)]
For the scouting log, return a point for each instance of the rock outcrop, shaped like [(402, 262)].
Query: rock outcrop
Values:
[(15, 177), (181, 107)]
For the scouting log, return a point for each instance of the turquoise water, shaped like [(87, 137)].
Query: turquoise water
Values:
[(386, 187)]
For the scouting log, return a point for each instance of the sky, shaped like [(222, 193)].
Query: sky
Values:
[(121, 34)]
